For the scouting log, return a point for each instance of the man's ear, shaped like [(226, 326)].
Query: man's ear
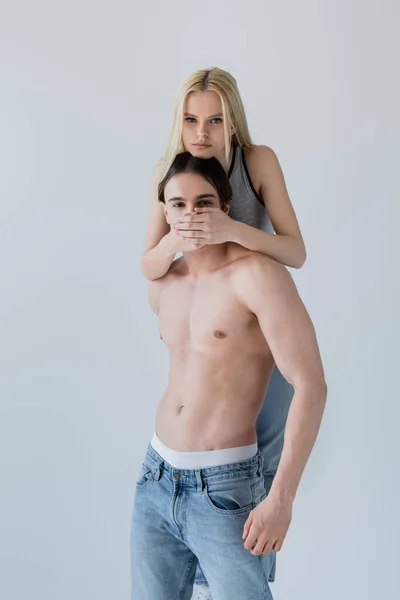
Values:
[(165, 213)]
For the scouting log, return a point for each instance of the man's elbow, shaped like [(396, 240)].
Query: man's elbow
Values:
[(321, 390), (313, 389)]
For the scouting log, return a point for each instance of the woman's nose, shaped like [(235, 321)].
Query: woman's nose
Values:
[(202, 130)]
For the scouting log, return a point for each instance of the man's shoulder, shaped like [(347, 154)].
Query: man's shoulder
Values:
[(254, 264), (255, 274), (157, 286)]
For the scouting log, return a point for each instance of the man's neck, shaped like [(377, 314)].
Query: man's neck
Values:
[(206, 259)]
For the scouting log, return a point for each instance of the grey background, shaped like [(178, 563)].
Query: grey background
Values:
[(86, 98)]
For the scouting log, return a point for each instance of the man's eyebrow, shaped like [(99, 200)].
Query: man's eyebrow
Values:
[(199, 197), (210, 117)]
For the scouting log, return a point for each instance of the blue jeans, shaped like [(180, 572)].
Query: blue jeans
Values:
[(182, 516), (270, 428)]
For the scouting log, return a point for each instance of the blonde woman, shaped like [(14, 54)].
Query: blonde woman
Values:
[(210, 121)]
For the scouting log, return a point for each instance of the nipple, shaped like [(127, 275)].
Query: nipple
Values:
[(219, 334)]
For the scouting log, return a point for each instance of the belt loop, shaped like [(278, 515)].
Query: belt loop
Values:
[(158, 471), (260, 462), (200, 482)]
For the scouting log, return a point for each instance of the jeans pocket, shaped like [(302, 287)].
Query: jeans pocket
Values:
[(258, 491), (146, 475), (230, 496)]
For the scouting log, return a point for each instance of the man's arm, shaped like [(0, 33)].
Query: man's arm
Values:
[(267, 289)]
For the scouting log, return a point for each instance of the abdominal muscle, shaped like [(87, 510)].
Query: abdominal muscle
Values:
[(212, 403)]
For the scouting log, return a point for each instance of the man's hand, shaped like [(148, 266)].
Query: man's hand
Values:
[(267, 525), (208, 225)]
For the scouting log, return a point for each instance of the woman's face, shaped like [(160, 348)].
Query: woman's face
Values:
[(203, 126)]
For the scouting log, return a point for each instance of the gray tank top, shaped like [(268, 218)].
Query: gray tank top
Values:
[(246, 205)]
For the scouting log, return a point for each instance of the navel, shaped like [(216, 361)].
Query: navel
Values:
[(219, 334)]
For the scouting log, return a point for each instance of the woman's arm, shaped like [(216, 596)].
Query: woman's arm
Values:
[(286, 245), (283, 248), (214, 226), (158, 253)]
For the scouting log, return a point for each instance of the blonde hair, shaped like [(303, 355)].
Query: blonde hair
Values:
[(225, 86)]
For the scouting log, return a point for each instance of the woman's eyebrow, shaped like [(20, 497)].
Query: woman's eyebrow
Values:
[(210, 117)]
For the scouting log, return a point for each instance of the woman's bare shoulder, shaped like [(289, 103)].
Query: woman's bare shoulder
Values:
[(259, 154), (261, 161)]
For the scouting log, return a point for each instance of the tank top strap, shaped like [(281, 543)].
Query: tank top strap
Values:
[(246, 206)]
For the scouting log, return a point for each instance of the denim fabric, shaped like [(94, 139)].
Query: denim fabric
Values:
[(182, 516), (270, 429)]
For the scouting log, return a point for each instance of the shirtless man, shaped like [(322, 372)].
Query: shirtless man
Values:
[(226, 315)]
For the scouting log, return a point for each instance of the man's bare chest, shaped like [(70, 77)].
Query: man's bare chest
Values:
[(204, 315)]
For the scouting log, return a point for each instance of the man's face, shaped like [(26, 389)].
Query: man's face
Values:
[(185, 192)]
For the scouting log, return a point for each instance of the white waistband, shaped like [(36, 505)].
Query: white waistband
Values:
[(205, 458)]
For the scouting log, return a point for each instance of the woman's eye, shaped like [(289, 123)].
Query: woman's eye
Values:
[(205, 202), (177, 205), (190, 119), (217, 120)]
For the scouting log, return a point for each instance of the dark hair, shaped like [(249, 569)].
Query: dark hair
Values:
[(208, 168)]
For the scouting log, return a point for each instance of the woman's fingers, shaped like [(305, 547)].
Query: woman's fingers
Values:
[(194, 235), (189, 227), (193, 219)]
